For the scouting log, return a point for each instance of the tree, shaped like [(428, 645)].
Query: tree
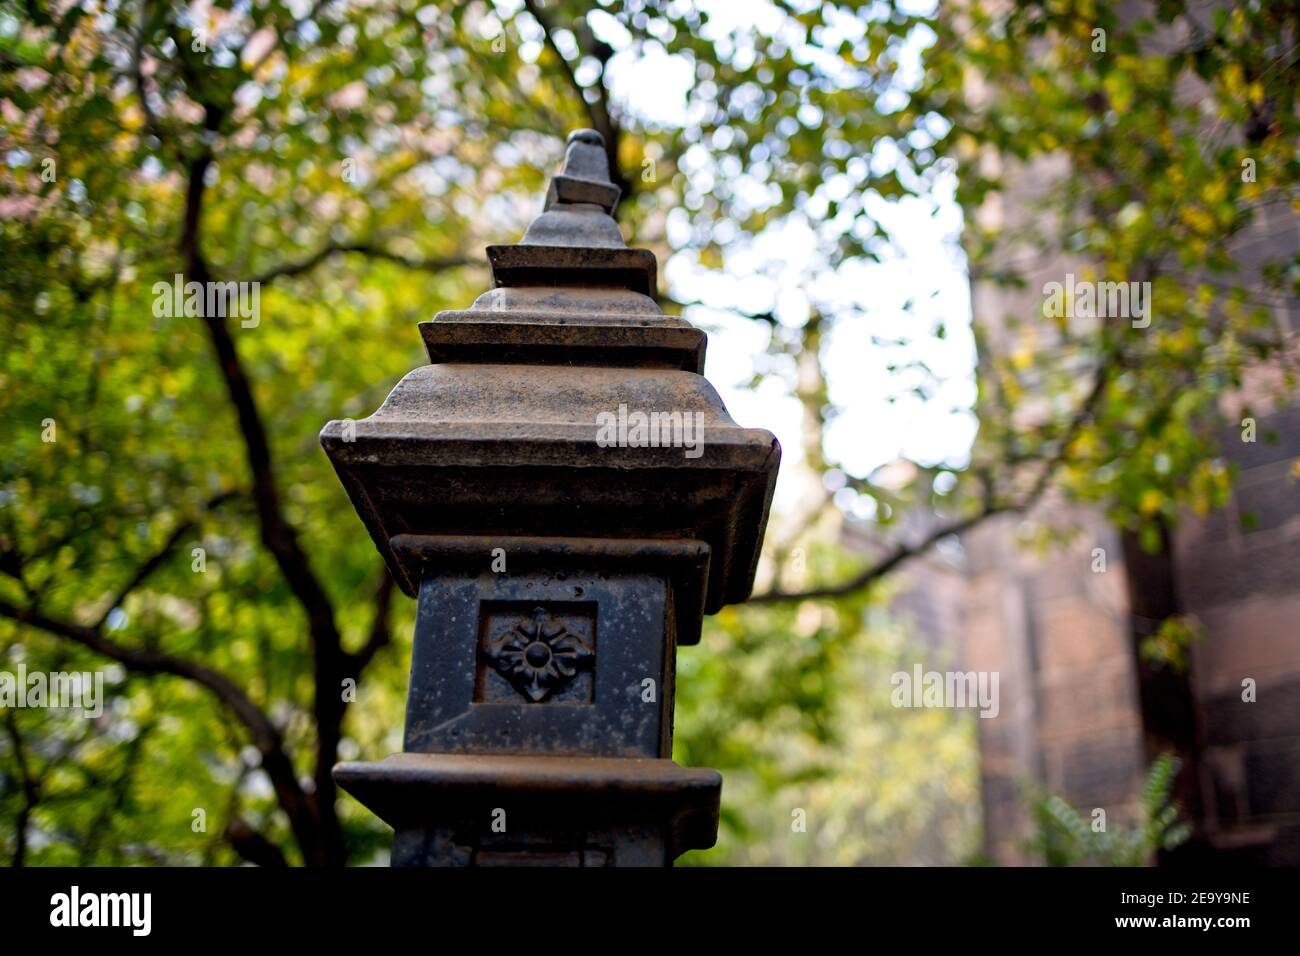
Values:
[(353, 160)]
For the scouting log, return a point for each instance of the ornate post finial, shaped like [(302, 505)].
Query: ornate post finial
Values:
[(585, 176), (543, 689)]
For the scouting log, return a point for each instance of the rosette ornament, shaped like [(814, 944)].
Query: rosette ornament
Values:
[(539, 655)]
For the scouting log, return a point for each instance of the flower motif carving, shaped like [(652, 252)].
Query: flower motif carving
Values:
[(539, 655)]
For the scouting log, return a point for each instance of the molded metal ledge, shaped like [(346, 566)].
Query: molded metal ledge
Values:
[(423, 790)]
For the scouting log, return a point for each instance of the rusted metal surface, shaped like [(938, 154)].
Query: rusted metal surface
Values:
[(572, 811), (557, 571), (513, 447), (506, 423), (584, 181), (621, 612), (550, 265), (684, 563), (614, 344)]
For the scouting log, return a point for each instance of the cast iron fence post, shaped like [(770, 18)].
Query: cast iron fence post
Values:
[(567, 497)]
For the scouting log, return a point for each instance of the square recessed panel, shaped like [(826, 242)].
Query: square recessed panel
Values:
[(536, 653), (476, 689)]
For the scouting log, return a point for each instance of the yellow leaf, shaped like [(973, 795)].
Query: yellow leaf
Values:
[(1151, 501)]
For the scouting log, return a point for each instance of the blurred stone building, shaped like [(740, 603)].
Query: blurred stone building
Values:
[(1063, 636), (1081, 715)]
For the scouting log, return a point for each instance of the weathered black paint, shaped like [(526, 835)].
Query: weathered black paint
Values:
[(556, 576)]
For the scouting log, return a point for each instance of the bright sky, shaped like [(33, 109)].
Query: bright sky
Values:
[(928, 270)]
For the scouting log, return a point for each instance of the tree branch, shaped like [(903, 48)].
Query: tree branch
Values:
[(289, 269), (902, 552), (266, 737), (154, 562), (769, 316), (535, 11), (597, 110), (31, 790), (897, 556), (253, 846), (278, 536)]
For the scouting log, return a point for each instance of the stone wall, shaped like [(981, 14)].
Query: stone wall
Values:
[(1244, 587)]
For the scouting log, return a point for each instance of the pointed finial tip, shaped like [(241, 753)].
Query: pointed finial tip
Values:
[(586, 136), (584, 180)]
